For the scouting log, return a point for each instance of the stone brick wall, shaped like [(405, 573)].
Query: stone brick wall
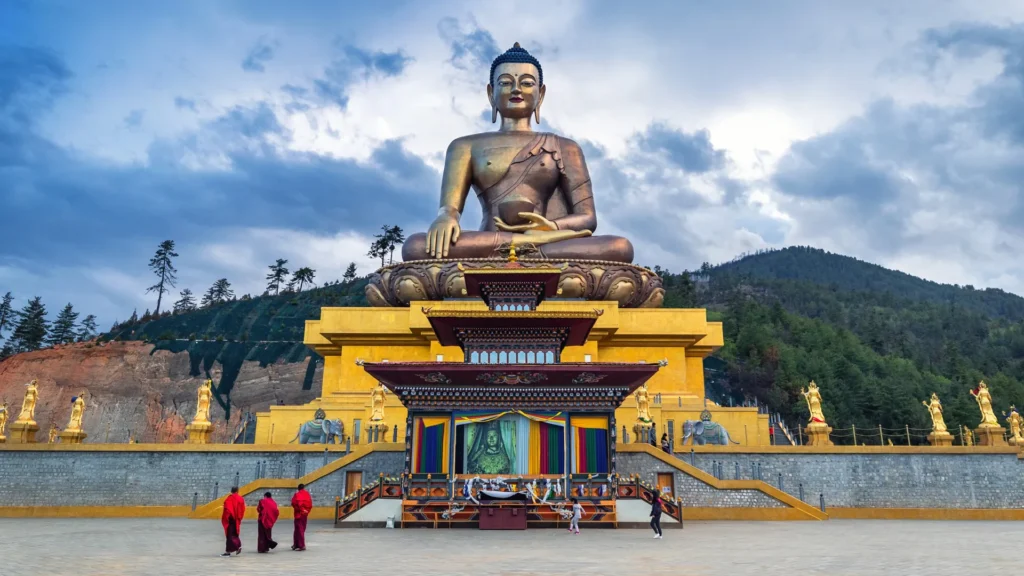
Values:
[(694, 492), (83, 478), (863, 480)]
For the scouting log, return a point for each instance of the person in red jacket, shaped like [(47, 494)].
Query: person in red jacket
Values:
[(302, 503), (234, 511), (268, 514)]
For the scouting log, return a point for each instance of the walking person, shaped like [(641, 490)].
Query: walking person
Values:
[(656, 516), (577, 514), (268, 514), (231, 518), (302, 503)]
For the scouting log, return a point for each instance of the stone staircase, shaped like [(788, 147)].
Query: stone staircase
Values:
[(214, 508), (792, 508)]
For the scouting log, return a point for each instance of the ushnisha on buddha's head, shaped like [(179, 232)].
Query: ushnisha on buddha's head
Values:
[(515, 87)]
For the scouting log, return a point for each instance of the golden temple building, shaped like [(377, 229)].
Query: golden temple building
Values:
[(347, 337)]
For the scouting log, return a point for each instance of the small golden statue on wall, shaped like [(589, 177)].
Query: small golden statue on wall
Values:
[(3, 421), (990, 433), (939, 436), (73, 433), (968, 436), (817, 429), (52, 437), (28, 404), (1015, 424), (201, 428), (203, 396), (377, 398), (23, 430), (643, 404)]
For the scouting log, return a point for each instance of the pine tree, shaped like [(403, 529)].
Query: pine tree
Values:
[(30, 333), (277, 276), (302, 276), (209, 298), (88, 330), (395, 236), (350, 273), (222, 290), (6, 313), (379, 249), (135, 317), (186, 302), (162, 266), (63, 329), (146, 316)]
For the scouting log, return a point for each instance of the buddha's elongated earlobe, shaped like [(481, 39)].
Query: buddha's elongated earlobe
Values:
[(494, 105), (536, 111)]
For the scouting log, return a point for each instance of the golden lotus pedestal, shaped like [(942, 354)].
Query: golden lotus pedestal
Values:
[(23, 433), (72, 437), (199, 432), (940, 439), (818, 435), (629, 285), (991, 436)]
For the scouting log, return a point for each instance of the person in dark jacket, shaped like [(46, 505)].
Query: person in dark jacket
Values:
[(664, 442), (656, 516)]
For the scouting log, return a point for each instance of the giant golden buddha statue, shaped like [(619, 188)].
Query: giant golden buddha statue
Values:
[(535, 193), (533, 187)]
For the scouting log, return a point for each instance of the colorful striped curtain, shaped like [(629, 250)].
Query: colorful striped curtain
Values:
[(547, 448), (590, 444), (430, 445)]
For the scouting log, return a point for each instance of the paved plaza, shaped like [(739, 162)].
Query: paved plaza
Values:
[(56, 547)]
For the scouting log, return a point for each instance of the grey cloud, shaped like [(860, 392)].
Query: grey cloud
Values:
[(691, 152), (473, 50), (30, 80), (115, 213), (355, 64), (185, 104), (870, 178), (134, 118), (261, 53)]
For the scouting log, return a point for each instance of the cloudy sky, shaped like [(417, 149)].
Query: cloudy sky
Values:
[(253, 130)]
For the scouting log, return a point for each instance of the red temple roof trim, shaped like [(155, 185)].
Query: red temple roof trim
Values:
[(451, 385), (446, 324)]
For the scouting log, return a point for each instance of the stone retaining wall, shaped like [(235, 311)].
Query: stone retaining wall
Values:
[(856, 480), (168, 478)]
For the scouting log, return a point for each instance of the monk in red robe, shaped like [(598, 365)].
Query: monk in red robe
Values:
[(234, 511), (268, 513), (302, 503)]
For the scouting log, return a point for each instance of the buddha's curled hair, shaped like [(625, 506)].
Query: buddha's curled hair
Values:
[(516, 55)]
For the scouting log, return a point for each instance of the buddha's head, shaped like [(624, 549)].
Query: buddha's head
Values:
[(492, 439), (515, 87)]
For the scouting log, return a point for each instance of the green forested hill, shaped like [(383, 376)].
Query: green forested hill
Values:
[(878, 342), (846, 273)]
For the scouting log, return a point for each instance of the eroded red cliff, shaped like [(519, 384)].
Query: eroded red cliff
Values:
[(131, 389)]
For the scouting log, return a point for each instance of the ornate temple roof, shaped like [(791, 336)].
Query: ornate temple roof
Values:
[(459, 386), (511, 281), (451, 326)]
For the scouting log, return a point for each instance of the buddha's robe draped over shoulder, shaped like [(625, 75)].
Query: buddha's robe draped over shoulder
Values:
[(550, 172), (559, 186)]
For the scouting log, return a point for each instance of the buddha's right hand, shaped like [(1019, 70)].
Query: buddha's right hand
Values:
[(442, 234)]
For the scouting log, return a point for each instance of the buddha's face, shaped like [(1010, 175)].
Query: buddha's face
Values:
[(515, 90), (492, 439)]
